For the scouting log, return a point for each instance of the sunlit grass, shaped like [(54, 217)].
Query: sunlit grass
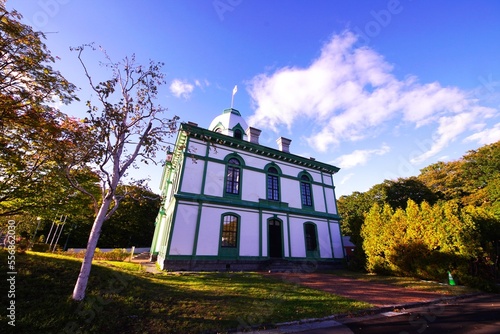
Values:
[(122, 298)]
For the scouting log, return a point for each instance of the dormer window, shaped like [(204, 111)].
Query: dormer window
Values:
[(238, 134)]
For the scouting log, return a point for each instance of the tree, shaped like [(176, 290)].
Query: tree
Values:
[(134, 223), (445, 179), (353, 209), (400, 191), (126, 126), (376, 233), (30, 128), (481, 169)]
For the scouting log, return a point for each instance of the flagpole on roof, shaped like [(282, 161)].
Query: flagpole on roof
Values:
[(235, 89)]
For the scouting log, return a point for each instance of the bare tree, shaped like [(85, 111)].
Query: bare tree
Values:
[(123, 127)]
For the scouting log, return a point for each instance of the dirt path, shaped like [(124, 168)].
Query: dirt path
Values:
[(378, 294)]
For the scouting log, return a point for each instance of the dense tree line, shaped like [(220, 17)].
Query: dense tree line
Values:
[(445, 219)]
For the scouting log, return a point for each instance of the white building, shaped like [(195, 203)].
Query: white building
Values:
[(230, 203)]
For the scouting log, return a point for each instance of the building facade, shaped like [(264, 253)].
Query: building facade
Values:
[(231, 203)]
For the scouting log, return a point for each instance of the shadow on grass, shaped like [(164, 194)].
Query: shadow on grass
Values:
[(123, 300)]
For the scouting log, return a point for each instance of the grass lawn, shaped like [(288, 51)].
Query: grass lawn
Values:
[(121, 298)]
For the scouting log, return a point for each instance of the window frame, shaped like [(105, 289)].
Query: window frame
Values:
[(310, 239), (229, 251), (232, 233), (238, 134), (306, 191), (232, 185), (273, 183)]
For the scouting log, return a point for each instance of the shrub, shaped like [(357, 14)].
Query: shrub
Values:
[(117, 254), (41, 248)]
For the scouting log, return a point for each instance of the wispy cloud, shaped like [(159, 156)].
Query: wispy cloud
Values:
[(201, 83), (359, 157), (486, 136), (346, 178), (181, 88), (350, 92)]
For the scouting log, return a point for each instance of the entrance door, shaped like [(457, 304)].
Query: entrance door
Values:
[(275, 239)]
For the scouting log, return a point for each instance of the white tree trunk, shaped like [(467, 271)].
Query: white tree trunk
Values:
[(83, 277)]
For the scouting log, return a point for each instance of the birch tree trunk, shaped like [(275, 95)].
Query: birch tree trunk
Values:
[(83, 277)]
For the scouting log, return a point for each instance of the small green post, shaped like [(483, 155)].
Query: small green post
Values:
[(450, 279)]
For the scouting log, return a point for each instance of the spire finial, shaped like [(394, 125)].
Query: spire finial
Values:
[(235, 89)]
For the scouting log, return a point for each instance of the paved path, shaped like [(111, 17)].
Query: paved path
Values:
[(144, 260), (389, 300), (378, 294)]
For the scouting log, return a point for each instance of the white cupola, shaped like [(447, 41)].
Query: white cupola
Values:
[(230, 123)]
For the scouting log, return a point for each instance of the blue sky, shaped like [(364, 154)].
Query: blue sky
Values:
[(380, 89)]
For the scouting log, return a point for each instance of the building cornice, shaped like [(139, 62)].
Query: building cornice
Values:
[(216, 138)]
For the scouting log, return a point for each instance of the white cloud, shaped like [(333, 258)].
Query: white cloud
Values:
[(487, 136), (349, 93), (181, 88), (360, 157), (201, 83), (346, 178)]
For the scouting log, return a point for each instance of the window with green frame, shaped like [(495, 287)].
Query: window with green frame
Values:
[(229, 237), (233, 176), (273, 181), (310, 235), (305, 190)]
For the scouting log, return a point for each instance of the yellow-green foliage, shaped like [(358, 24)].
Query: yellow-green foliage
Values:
[(424, 241)]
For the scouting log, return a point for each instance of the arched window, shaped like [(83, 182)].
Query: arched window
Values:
[(233, 176), (229, 235), (273, 184), (305, 190), (238, 134), (311, 237)]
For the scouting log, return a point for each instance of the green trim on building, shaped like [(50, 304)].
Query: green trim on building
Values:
[(174, 173), (279, 207), (254, 169), (276, 176), (197, 229), (311, 183), (240, 175), (232, 111), (205, 167), (312, 254), (260, 233), (288, 234), (238, 127), (218, 138), (230, 252), (341, 240), (275, 218), (155, 234), (244, 258), (170, 232)]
